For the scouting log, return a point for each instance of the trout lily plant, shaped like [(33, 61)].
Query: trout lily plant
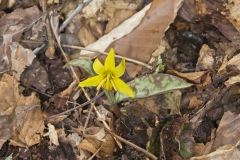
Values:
[(108, 76)]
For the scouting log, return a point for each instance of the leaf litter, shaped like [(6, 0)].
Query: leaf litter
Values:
[(186, 105)]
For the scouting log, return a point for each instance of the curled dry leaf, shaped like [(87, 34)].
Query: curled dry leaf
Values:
[(228, 130), (20, 58), (193, 76), (18, 20), (234, 61), (205, 60), (30, 130), (125, 28), (91, 9), (232, 80), (20, 117), (227, 152), (92, 145), (95, 133), (53, 136), (234, 12)]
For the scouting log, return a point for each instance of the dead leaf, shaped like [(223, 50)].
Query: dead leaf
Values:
[(225, 27), (52, 1), (18, 20), (95, 133), (30, 131), (91, 9), (20, 58), (234, 12), (234, 61), (227, 152), (193, 76), (145, 38), (88, 146), (205, 60), (20, 116), (194, 102), (228, 132), (118, 17), (53, 136), (125, 28), (172, 101), (232, 80)]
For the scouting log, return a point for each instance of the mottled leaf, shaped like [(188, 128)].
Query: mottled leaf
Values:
[(82, 63), (153, 84)]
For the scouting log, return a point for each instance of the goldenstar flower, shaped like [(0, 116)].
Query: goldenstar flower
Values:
[(108, 75)]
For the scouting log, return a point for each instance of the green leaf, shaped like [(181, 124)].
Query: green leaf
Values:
[(184, 152), (82, 63), (153, 84)]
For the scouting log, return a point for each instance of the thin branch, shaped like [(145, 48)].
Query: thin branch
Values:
[(73, 14), (50, 52), (105, 53), (148, 154), (77, 107)]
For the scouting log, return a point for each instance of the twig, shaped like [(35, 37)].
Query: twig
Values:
[(148, 154), (95, 153), (105, 53), (50, 52), (73, 14), (78, 106)]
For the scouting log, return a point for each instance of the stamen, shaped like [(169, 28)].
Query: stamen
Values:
[(101, 83)]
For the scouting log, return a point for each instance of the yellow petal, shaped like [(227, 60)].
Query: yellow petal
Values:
[(110, 61), (98, 67), (123, 87), (120, 69), (92, 81)]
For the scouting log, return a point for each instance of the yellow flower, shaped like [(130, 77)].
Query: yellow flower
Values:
[(108, 75)]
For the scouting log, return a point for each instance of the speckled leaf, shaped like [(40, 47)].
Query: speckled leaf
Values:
[(153, 84), (82, 63)]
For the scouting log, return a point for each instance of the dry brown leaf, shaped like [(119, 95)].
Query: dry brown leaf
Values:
[(193, 76), (194, 102), (205, 60), (20, 58), (228, 131), (15, 58), (53, 136), (31, 130), (146, 37), (52, 1), (92, 145), (108, 147), (234, 61), (18, 20), (232, 80), (118, 17), (125, 28), (95, 133), (227, 152), (234, 12), (18, 113), (88, 146), (91, 9)]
